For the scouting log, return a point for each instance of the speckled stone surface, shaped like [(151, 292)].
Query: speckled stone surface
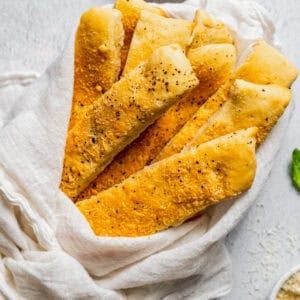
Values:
[(267, 242)]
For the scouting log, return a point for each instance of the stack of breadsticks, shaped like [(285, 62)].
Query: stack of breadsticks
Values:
[(163, 123)]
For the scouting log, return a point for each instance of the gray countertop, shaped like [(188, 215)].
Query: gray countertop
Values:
[(267, 242)]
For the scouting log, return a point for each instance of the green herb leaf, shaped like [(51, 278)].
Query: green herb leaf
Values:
[(295, 168)]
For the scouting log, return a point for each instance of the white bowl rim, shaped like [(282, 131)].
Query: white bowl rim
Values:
[(282, 280)]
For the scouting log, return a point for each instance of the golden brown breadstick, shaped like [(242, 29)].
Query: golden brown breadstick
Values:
[(261, 54), (191, 127), (208, 31), (153, 31), (131, 11), (213, 65), (249, 104), (98, 43), (266, 65), (122, 113), (175, 189)]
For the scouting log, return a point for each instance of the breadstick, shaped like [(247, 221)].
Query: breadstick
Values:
[(122, 113), (175, 189), (249, 104), (263, 65), (213, 65), (153, 31), (131, 11), (266, 65), (98, 43)]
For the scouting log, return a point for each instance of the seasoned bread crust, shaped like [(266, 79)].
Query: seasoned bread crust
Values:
[(176, 188), (153, 31), (122, 113), (208, 30), (249, 104), (98, 43), (213, 65), (190, 129), (266, 65), (131, 11), (276, 70)]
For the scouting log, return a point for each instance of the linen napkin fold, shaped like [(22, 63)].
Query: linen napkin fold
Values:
[(47, 249)]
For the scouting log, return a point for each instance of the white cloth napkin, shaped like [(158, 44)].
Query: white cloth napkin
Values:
[(47, 249)]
